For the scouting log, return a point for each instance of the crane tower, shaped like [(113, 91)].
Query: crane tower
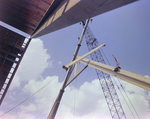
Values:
[(107, 85)]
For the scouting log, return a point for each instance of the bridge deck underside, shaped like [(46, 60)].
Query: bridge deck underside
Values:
[(11, 50)]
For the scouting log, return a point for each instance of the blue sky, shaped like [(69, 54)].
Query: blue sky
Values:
[(126, 33)]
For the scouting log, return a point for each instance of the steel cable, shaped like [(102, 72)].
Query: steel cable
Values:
[(29, 96), (123, 90), (128, 98)]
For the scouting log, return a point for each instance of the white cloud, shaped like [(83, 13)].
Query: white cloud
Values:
[(33, 64), (35, 60), (45, 96), (25, 115), (86, 102), (29, 108), (59, 62), (139, 99), (8, 116), (15, 83), (18, 115), (89, 101)]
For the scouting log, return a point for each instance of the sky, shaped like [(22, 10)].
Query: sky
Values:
[(125, 31)]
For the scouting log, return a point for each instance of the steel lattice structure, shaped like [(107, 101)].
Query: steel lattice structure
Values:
[(108, 88)]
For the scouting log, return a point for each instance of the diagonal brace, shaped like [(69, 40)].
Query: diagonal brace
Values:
[(77, 75), (82, 57)]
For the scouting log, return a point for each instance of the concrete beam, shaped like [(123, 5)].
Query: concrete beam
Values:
[(70, 12), (135, 79)]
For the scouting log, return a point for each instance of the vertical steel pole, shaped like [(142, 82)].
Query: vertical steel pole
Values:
[(58, 99)]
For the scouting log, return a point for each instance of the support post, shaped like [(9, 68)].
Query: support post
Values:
[(58, 99)]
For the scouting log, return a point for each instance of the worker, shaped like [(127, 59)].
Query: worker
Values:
[(117, 63)]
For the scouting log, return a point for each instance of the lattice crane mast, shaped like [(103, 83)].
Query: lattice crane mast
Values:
[(107, 85)]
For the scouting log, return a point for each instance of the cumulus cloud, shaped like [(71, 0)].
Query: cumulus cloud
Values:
[(15, 83), (29, 108), (89, 99), (59, 62), (85, 102), (33, 64), (139, 99), (88, 103), (35, 60), (18, 115), (45, 96)]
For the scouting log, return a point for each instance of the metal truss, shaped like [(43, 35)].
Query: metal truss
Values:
[(107, 85), (12, 49)]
